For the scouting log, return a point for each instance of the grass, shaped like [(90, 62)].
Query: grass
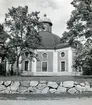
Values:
[(42, 96), (48, 78)]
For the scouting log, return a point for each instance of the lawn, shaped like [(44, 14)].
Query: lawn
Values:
[(48, 78)]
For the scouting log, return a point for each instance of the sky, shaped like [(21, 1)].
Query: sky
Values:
[(58, 11)]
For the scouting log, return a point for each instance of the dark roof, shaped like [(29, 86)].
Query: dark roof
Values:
[(62, 45), (49, 40)]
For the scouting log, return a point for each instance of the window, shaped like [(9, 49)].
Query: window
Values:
[(31, 53), (44, 55), (26, 54), (26, 65), (62, 54), (63, 66), (44, 66)]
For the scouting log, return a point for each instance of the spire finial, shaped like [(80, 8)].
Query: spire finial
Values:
[(45, 15)]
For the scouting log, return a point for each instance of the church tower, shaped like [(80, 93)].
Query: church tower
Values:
[(46, 23)]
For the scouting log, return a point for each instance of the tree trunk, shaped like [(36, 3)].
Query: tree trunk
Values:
[(17, 65), (17, 61)]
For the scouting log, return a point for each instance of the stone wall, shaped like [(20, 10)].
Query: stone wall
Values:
[(44, 87)]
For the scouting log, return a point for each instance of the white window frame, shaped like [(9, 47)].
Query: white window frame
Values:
[(41, 66), (65, 65), (42, 55), (61, 56)]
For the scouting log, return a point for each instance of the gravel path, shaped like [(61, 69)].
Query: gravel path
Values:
[(72, 101), (42, 96)]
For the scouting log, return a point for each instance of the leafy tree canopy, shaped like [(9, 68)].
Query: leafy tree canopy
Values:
[(22, 28), (79, 30), (80, 22)]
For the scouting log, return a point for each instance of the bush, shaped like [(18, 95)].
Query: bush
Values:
[(87, 71), (2, 69)]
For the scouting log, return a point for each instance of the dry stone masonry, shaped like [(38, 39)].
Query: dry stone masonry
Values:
[(44, 87)]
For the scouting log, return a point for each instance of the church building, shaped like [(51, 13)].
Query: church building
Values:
[(55, 58)]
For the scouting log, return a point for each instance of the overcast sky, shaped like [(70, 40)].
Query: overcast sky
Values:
[(57, 10)]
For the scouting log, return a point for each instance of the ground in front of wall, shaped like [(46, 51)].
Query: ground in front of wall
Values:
[(47, 78), (43, 96)]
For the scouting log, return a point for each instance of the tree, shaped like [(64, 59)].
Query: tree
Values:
[(22, 28), (79, 29), (3, 50), (3, 37), (83, 57)]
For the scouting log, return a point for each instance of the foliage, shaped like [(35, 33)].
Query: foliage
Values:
[(79, 28), (2, 69), (22, 28), (3, 38)]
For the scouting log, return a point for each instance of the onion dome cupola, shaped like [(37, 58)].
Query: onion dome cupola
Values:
[(47, 23)]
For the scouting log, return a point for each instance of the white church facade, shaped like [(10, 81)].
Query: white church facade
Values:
[(55, 58)]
